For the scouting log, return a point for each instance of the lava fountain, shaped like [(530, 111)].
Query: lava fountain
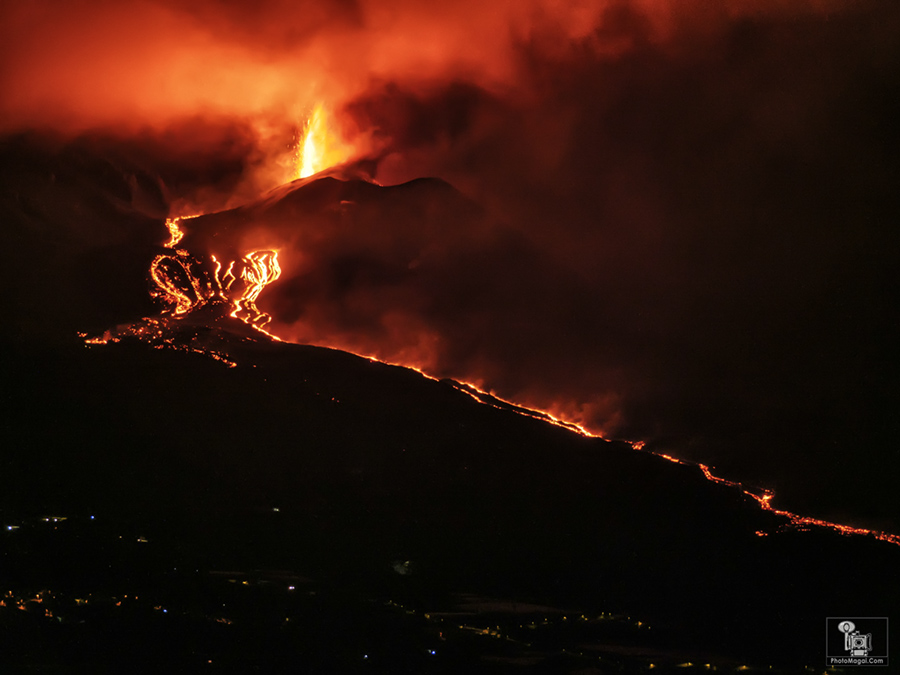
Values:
[(318, 148)]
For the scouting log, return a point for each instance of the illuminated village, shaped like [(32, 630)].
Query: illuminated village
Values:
[(224, 621)]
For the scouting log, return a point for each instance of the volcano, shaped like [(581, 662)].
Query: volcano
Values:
[(227, 454)]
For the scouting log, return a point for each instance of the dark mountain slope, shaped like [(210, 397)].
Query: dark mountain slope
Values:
[(368, 464)]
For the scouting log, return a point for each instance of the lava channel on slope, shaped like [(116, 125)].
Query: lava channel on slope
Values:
[(205, 297)]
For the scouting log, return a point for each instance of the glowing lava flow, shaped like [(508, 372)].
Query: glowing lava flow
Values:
[(173, 225), (486, 398), (256, 271), (185, 283), (761, 497), (764, 499), (178, 280), (502, 404)]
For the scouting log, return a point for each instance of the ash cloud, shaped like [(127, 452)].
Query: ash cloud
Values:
[(685, 229)]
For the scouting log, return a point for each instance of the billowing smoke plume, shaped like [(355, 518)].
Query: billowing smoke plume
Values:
[(676, 219)]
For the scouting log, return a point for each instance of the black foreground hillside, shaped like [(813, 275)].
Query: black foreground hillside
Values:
[(375, 480)]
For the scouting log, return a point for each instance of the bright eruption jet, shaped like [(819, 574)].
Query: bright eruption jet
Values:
[(317, 149)]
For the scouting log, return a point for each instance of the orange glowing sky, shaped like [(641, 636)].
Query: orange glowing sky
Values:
[(133, 66), (79, 65)]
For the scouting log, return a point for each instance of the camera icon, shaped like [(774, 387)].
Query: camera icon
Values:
[(854, 642)]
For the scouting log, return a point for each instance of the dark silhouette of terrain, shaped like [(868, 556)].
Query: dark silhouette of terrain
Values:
[(369, 464)]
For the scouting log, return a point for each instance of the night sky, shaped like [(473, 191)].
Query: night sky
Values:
[(669, 221)]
